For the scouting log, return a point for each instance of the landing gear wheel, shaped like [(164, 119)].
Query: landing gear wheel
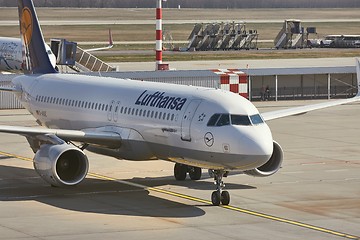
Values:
[(219, 195), (215, 198), (225, 198), (180, 171), (195, 173)]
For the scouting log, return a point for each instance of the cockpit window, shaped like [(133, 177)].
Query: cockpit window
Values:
[(212, 121), (256, 119), (219, 120), (243, 120), (223, 120)]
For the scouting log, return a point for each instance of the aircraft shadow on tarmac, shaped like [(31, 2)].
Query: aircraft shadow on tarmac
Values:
[(191, 184), (93, 195), (100, 196)]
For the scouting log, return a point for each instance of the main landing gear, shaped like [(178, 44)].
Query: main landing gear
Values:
[(218, 196), (180, 171)]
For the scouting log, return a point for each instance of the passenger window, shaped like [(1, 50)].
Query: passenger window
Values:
[(144, 113), (122, 109), (212, 121), (156, 113), (223, 120), (133, 111), (159, 115), (137, 112), (172, 117)]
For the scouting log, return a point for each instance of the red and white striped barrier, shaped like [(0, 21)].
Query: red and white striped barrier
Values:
[(233, 80)]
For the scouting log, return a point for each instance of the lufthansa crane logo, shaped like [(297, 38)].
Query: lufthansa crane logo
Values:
[(26, 25), (209, 139)]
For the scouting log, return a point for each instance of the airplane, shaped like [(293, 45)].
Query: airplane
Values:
[(194, 127), (11, 53)]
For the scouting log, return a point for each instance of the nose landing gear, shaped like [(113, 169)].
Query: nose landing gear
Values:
[(219, 196)]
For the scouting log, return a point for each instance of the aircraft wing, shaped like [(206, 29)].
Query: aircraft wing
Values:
[(304, 109), (9, 89), (111, 44), (103, 138)]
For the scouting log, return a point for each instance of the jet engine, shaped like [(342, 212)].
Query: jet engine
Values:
[(271, 166), (61, 165)]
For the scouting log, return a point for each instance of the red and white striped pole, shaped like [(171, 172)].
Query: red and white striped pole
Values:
[(158, 34)]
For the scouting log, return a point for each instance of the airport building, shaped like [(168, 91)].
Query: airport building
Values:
[(272, 83)]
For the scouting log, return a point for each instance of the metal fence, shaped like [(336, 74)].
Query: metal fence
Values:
[(302, 93), (8, 99)]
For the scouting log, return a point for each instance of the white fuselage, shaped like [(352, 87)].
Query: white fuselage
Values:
[(11, 54), (154, 120)]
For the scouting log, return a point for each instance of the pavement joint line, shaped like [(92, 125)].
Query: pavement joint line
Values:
[(199, 200)]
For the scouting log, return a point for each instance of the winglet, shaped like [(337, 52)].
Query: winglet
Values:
[(35, 57), (111, 43), (358, 75)]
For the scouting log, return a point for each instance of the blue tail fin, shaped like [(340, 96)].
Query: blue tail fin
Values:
[(35, 57)]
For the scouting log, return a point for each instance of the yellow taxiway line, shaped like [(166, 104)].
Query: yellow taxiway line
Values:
[(199, 200)]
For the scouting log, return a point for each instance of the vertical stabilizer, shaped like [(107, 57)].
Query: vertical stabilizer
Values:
[(358, 75), (35, 57)]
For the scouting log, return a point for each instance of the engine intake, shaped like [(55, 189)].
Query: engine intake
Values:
[(61, 165), (271, 166)]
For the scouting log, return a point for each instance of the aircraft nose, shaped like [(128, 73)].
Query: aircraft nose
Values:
[(257, 141)]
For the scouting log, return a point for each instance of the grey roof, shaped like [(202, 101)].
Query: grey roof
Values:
[(299, 71), (209, 73), (155, 74)]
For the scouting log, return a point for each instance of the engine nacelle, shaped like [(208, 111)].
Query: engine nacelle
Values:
[(61, 165), (271, 166)]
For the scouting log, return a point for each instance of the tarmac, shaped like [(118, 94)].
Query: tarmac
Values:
[(316, 194)]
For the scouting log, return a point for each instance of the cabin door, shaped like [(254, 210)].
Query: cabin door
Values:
[(187, 119)]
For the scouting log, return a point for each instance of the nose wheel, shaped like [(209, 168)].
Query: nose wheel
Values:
[(219, 196)]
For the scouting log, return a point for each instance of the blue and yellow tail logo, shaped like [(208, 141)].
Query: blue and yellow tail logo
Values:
[(26, 25)]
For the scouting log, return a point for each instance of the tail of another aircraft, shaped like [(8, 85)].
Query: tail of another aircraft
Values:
[(35, 57)]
